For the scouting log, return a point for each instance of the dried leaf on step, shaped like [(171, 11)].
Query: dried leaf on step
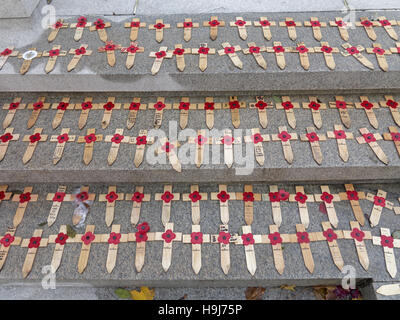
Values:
[(184, 297), (277, 99), (144, 294), (42, 224), (71, 233), (396, 234), (254, 293), (287, 287), (325, 293), (122, 293)]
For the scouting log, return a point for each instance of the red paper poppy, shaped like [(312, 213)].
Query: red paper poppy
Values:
[(379, 201), (137, 197), (2, 195), (302, 49), (234, 104), (240, 23), (278, 49), (254, 49), (80, 51), (352, 195), (63, 138), (398, 49), (200, 140), (61, 238), (99, 24), (330, 235), (312, 137), (117, 138), (369, 137), (35, 137), (167, 196), (386, 241), (290, 23), (352, 50), (274, 196), (188, 24), (214, 23), (159, 25), (223, 196), (283, 195), (257, 138), (168, 236), (109, 106), (81, 24), (228, 50), (13, 106), (357, 234), (265, 23), (82, 196), (24, 197), (184, 106), (141, 237), (209, 106), (341, 104), (287, 105), (340, 23), (88, 237), (34, 242), (135, 24), (167, 147), (379, 51), (143, 227), (326, 197), (385, 23), (179, 51), (228, 140), (111, 197), (7, 240), (203, 50), (248, 196), (315, 23), (38, 105), (6, 52), (223, 237), (326, 49), (284, 136), (59, 197), (301, 197), (314, 105), (247, 239), (160, 54), (159, 105), (132, 49), (58, 25), (54, 53), (114, 238), (86, 105), (275, 238), (366, 23), (196, 238), (82, 19), (90, 138), (6, 137), (395, 136), (62, 106), (392, 104), (141, 140), (302, 237), (195, 196), (261, 105), (134, 106), (339, 134)]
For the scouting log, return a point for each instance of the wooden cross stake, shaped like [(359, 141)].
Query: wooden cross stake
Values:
[(179, 53), (393, 107), (108, 108), (200, 140), (5, 138), (305, 247), (328, 199), (265, 24), (371, 139), (380, 55), (331, 237), (261, 105), (140, 252), (12, 108), (159, 26), (131, 51), (228, 140), (285, 138), (99, 25), (33, 140), (8, 240), (396, 49), (89, 141), (184, 106), (214, 23), (159, 106), (134, 25), (203, 52), (223, 196), (275, 196), (137, 198), (257, 139), (241, 25), (248, 240), (316, 26), (276, 248), (61, 107), (379, 202), (110, 198), (291, 27), (61, 140), (168, 237), (209, 106), (341, 105), (80, 25), (196, 238), (59, 240), (6, 53), (78, 54), (387, 242), (23, 200), (33, 244), (234, 105), (353, 196), (110, 48), (115, 140), (85, 106), (315, 105), (342, 27), (327, 51), (166, 198), (187, 26), (168, 148), (303, 51), (359, 236), (279, 50), (223, 238), (87, 239), (55, 28), (28, 56), (355, 52), (302, 198), (231, 52), (57, 199), (255, 51), (288, 106), (194, 197), (141, 140), (388, 26), (248, 197), (53, 54), (368, 26), (393, 135), (314, 138), (113, 239), (36, 108), (133, 108), (159, 58), (340, 135)]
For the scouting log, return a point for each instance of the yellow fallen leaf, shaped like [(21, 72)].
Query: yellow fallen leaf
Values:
[(287, 287), (144, 294), (254, 293)]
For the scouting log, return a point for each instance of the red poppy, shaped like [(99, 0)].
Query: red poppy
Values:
[(2, 195), (369, 137), (167, 147), (395, 136), (81, 24), (248, 196), (302, 49), (137, 197), (379, 201), (203, 50), (352, 50), (213, 23), (386, 241), (63, 138), (86, 105), (6, 52), (135, 24), (265, 23), (392, 104), (38, 105), (340, 23), (7, 240), (339, 134), (195, 196), (290, 23), (209, 106), (58, 25), (59, 196), (275, 238), (82, 196), (302, 237), (160, 54), (188, 24), (54, 53), (366, 23), (24, 197), (314, 105), (326, 197), (62, 106), (159, 25), (111, 197), (143, 227), (326, 49), (196, 238), (385, 23), (247, 239), (261, 105), (352, 195), (35, 137), (141, 237), (167, 196), (99, 24), (13, 105), (184, 106), (90, 138), (341, 104), (224, 237), (330, 235), (398, 49), (284, 136), (312, 137), (88, 237), (159, 105), (132, 49), (117, 138), (114, 238), (257, 138), (141, 140), (34, 242), (228, 50), (278, 49), (274, 196), (287, 105), (82, 19), (300, 197), (240, 23), (109, 106), (6, 137), (228, 140), (315, 23), (357, 234), (379, 51), (61, 238), (179, 51), (234, 104), (223, 196), (134, 106), (200, 140), (168, 236), (283, 195)]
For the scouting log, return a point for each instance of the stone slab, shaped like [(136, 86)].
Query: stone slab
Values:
[(17, 8)]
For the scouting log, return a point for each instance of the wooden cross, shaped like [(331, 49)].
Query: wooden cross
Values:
[(340, 135), (316, 26), (359, 236), (303, 54), (368, 27), (393, 135), (342, 27), (6, 241), (328, 56), (279, 50), (247, 239), (87, 239), (159, 106), (203, 52), (61, 107), (179, 53), (115, 140), (78, 54), (168, 148), (159, 26), (200, 140), (110, 48), (184, 106), (248, 197), (302, 198), (331, 237), (315, 105), (241, 25), (4, 195), (223, 238), (99, 25), (223, 196), (275, 197), (89, 141), (23, 199), (370, 139), (36, 108), (261, 105), (265, 24), (380, 55), (55, 28), (379, 202), (85, 106), (228, 140), (355, 52), (314, 138), (353, 196), (341, 105), (141, 140), (275, 239), (368, 106), (393, 107), (131, 51), (59, 240), (303, 238), (113, 239), (61, 140), (285, 138), (141, 237), (110, 198), (196, 238), (108, 108), (6, 53), (288, 106), (5, 138), (231, 52), (257, 139), (387, 242), (234, 106), (214, 23), (328, 199), (166, 198), (159, 58), (209, 106), (388, 26), (255, 51), (53, 54), (33, 140), (134, 25), (134, 106), (187, 26), (168, 237), (28, 56), (291, 27), (80, 25), (396, 49), (137, 198), (33, 244)]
